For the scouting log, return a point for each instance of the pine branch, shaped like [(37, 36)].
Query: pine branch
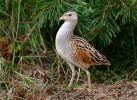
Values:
[(123, 4), (42, 42), (104, 12), (33, 28), (103, 16)]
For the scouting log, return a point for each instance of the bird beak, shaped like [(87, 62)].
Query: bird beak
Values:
[(63, 17)]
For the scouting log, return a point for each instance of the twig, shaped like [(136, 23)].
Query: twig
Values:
[(133, 74), (38, 55), (44, 91), (103, 15), (104, 12), (33, 28), (42, 42), (77, 94), (123, 4)]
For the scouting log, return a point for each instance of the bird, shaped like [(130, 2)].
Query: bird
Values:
[(76, 51)]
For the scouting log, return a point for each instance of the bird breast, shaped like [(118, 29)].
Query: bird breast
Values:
[(62, 42)]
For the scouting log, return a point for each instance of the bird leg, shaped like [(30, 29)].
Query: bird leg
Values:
[(89, 81), (73, 74)]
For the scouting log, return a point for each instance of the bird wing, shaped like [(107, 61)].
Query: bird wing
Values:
[(86, 53)]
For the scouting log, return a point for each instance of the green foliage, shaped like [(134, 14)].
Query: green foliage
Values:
[(110, 24), (49, 11)]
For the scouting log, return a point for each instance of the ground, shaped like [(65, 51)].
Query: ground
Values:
[(33, 83)]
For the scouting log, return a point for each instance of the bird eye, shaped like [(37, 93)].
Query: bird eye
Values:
[(70, 15)]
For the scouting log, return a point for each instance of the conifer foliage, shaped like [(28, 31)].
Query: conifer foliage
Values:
[(110, 24)]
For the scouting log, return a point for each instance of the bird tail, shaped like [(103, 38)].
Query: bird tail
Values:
[(106, 62)]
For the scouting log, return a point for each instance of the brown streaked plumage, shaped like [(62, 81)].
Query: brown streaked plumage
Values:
[(82, 58), (75, 50)]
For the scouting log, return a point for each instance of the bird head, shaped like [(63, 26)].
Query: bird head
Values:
[(69, 16)]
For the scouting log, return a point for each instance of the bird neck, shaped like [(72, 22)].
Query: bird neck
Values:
[(67, 29), (63, 35)]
